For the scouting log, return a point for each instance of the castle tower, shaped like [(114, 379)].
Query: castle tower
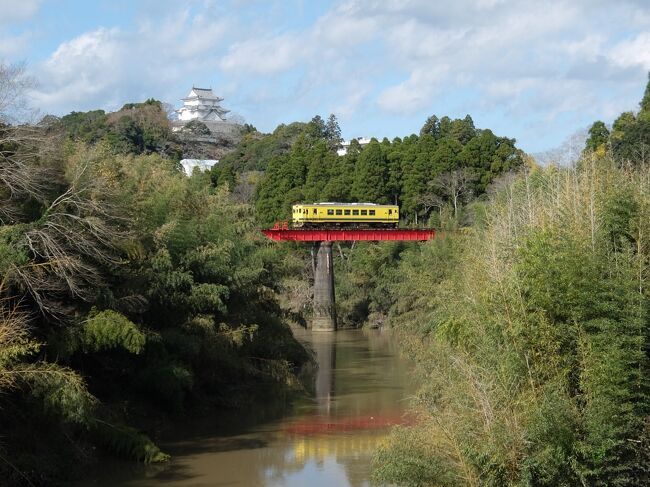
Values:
[(202, 105)]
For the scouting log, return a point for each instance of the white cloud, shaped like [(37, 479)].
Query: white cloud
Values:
[(526, 57), (17, 10), (12, 46), (414, 93), (105, 68), (12, 12), (633, 52), (345, 27), (264, 56), (331, 37), (82, 68)]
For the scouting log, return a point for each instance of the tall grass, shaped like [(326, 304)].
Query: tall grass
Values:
[(531, 333)]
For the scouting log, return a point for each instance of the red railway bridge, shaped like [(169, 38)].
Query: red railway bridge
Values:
[(324, 306)]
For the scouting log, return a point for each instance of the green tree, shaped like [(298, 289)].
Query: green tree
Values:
[(333, 132), (413, 178), (339, 185), (630, 139), (445, 126), (316, 128), (319, 172), (479, 154), (89, 127), (370, 175), (223, 173), (598, 136), (446, 156), (431, 127), (463, 130), (196, 127), (394, 182)]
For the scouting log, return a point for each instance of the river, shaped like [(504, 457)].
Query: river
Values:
[(360, 391)]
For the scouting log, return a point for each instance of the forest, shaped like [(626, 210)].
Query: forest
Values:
[(132, 294), (129, 294)]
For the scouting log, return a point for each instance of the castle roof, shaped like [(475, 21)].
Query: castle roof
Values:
[(202, 93)]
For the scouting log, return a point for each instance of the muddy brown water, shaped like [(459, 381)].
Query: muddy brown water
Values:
[(360, 391)]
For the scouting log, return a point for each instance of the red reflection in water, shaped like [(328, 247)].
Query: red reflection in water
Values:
[(326, 424)]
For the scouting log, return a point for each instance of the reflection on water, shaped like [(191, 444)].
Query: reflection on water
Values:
[(359, 388)]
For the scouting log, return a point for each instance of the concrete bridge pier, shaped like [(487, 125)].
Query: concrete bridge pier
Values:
[(324, 318)]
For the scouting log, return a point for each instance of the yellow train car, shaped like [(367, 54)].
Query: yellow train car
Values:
[(345, 215)]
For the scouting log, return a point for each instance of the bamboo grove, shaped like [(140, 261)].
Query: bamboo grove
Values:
[(129, 293), (531, 330)]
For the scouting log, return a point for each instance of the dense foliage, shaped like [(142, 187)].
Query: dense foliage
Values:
[(448, 163), (127, 289), (137, 128), (144, 128), (628, 141), (255, 150), (531, 334), (531, 331)]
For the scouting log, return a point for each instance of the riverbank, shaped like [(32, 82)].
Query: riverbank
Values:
[(328, 438)]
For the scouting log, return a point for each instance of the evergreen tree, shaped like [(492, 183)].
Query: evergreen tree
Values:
[(370, 175), (339, 188), (272, 191), (316, 128), (225, 175), (445, 126), (319, 172), (630, 139), (341, 178), (413, 180), (354, 151), (446, 156), (431, 127), (463, 130), (296, 169), (598, 136), (394, 183), (385, 146), (479, 154), (333, 132), (409, 167)]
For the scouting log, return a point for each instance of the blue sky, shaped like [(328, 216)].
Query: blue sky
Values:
[(535, 71)]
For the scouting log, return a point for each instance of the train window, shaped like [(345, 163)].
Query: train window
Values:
[(390, 212), (346, 212), (371, 212), (314, 211), (355, 212), (339, 212), (330, 212), (364, 212)]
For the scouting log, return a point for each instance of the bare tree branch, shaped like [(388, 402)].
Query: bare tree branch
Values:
[(14, 84), (456, 185)]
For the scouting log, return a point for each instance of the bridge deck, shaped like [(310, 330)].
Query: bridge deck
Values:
[(323, 235)]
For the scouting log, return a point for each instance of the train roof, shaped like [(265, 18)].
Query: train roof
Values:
[(333, 203)]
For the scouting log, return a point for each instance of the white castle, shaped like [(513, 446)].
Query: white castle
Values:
[(203, 105)]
